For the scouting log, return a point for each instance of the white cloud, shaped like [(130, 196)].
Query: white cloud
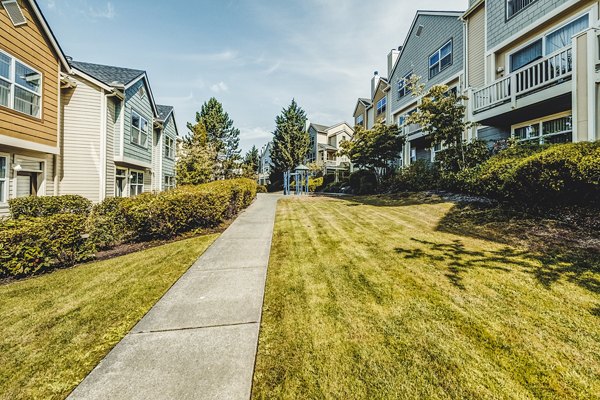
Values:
[(106, 12), (219, 87), (51, 4)]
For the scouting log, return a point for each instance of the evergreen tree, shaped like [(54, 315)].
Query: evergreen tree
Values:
[(291, 142), (252, 160)]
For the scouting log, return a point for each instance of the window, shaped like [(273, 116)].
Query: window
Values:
[(562, 37), (413, 155), (3, 178), (526, 55), (169, 182), (169, 147), (360, 120), (513, 7), (404, 85), (440, 60), (554, 129), (381, 106), (20, 86), (121, 183), (139, 130), (136, 183)]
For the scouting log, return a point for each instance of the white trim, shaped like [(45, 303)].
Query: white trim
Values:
[(592, 46), (143, 184), (27, 145), (12, 81), (134, 111), (103, 136), (132, 161), (523, 32), (6, 179), (540, 121), (49, 34), (83, 75)]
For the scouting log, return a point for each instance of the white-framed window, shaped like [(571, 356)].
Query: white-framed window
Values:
[(121, 182), (404, 85), (381, 106), (20, 86), (169, 147), (360, 120), (548, 44), (139, 129), (3, 178), (556, 128), (441, 59), (169, 182), (413, 155), (513, 7), (136, 183)]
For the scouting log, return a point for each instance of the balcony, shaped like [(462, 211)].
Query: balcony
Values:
[(548, 71)]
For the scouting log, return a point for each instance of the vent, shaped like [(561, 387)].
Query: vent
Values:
[(14, 12), (419, 30)]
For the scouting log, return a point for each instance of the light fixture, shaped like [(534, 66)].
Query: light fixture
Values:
[(18, 168)]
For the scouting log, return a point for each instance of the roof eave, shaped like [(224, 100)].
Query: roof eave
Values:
[(50, 34)]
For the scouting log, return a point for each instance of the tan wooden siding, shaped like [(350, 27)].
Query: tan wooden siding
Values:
[(476, 51), (28, 43), (112, 124), (82, 127)]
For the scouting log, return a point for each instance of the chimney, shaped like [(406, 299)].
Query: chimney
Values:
[(392, 57), (374, 82)]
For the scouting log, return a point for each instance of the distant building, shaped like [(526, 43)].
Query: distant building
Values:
[(264, 166), (325, 145)]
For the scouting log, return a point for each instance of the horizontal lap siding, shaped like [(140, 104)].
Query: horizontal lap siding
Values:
[(81, 163), (437, 31), (168, 167), (133, 101), (476, 51), (27, 43)]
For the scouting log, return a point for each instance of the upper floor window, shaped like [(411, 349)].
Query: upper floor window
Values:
[(404, 85), (139, 129), (513, 7), (169, 147), (382, 106), (360, 120), (169, 182), (3, 178), (20, 86), (440, 60)]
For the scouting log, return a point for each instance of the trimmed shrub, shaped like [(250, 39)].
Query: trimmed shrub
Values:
[(421, 175), (31, 245), (44, 206), (363, 182), (261, 189), (107, 224)]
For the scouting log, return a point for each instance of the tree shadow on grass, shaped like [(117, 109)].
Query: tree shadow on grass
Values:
[(394, 200), (547, 249)]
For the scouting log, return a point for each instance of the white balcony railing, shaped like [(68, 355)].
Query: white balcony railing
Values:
[(545, 72)]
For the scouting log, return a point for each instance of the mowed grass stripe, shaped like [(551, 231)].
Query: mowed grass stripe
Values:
[(369, 302), (57, 327)]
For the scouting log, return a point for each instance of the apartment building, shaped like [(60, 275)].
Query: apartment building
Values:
[(325, 144), (32, 70), (532, 69), (264, 167), (433, 51)]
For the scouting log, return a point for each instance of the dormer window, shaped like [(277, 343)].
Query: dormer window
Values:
[(381, 106), (20, 86), (440, 60)]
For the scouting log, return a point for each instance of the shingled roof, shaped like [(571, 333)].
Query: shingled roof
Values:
[(163, 111), (107, 74)]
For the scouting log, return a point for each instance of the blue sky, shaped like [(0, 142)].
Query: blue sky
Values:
[(254, 56)]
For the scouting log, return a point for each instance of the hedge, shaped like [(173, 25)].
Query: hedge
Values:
[(31, 245), (44, 206), (167, 214)]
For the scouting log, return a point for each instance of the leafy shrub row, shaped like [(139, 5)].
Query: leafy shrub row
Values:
[(31, 207), (167, 214), (34, 244), (65, 235)]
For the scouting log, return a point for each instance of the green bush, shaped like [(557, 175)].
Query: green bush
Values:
[(31, 245), (261, 189), (363, 182), (107, 224), (167, 214), (421, 175), (45, 206)]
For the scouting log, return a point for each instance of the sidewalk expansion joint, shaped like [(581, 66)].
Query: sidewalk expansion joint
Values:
[(191, 328)]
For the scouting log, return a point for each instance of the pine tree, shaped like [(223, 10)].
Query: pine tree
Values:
[(291, 142), (252, 160)]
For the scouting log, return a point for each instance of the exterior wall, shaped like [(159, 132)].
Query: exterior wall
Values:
[(476, 50), (143, 106), (379, 94), (26, 158), (500, 29), (113, 127), (370, 117), (168, 164), (28, 44), (81, 162), (360, 110), (414, 57), (157, 158)]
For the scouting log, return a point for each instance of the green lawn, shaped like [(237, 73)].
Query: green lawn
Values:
[(379, 298), (55, 328)]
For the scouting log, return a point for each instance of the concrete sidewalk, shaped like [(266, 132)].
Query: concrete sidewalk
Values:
[(199, 341)]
